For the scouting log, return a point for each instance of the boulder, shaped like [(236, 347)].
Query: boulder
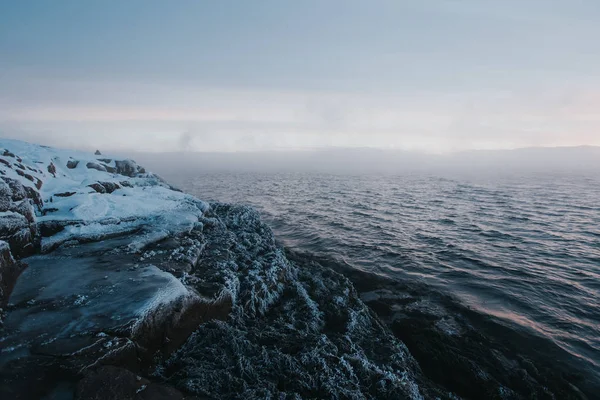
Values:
[(110, 186), (92, 165), (52, 169), (16, 188), (72, 164), (98, 153), (50, 228), (128, 168), (98, 187)]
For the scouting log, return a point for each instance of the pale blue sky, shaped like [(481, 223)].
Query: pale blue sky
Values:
[(243, 75)]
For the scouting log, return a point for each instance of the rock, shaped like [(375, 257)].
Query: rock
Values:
[(110, 383), (19, 233), (5, 196), (3, 161), (25, 175), (8, 154), (109, 169), (128, 168), (9, 271), (17, 190), (35, 197), (98, 153), (25, 208), (110, 186), (98, 187), (92, 165), (105, 187), (105, 160), (72, 164), (52, 169), (49, 210), (64, 194)]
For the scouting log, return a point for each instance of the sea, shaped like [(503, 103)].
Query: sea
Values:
[(522, 249)]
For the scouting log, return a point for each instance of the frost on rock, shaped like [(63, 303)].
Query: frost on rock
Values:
[(294, 331), (131, 272)]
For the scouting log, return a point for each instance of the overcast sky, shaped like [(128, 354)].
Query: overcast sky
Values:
[(429, 75)]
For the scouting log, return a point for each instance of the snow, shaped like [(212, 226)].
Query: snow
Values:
[(149, 201)]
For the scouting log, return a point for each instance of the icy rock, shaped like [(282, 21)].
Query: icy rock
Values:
[(96, 166), (9, 271), (128, 168), (72, 164)]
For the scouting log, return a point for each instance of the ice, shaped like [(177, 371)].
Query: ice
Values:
[(54, 299)]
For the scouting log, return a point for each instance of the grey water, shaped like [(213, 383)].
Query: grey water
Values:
[(524, 249)]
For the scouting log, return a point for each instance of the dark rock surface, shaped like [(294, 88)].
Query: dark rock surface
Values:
[(9, 272)]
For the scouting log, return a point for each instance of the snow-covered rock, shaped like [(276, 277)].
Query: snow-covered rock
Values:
[(89, 197), (129, 272)]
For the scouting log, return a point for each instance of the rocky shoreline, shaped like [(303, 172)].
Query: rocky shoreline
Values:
[(115, 285)]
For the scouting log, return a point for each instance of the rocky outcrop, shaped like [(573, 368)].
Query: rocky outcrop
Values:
[(9, 271), (128, 168), (113, 383), (96, 166), (18, 204)]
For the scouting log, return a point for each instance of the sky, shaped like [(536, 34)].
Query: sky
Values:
[(433, 76)]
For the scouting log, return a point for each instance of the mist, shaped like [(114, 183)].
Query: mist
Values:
[(356, 161)]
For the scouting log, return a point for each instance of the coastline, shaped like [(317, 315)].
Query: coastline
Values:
[(241, 316)]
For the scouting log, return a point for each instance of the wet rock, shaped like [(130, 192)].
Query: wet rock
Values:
[(110, 383), (51, 228), (98, 167), (114, 383), (8, 154), (3, 161), (72, 164), (105, 160), (9, 271)]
